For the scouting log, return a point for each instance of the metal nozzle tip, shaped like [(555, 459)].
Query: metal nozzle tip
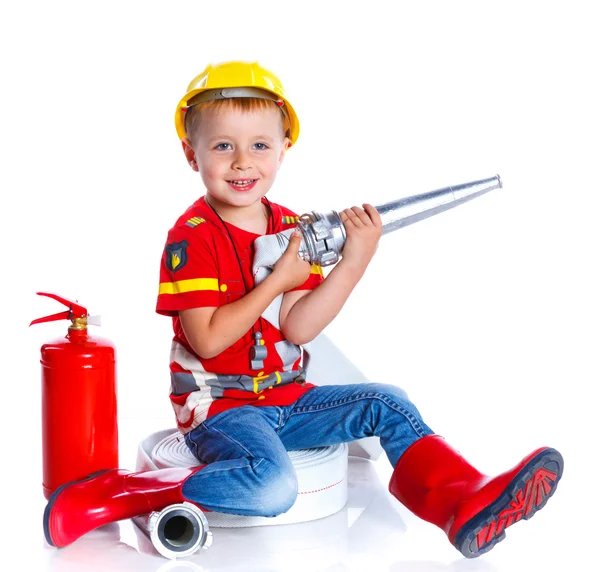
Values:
[(499, 181)]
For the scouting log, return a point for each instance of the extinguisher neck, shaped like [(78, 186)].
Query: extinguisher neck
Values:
[(78, 324), (77, 335)]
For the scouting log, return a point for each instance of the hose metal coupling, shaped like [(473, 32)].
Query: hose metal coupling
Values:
[(324, 237)]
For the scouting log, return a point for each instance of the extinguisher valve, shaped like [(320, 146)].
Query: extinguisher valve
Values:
[(76, 313)]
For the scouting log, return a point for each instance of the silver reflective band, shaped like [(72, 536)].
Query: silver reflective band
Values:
[(232, 92)]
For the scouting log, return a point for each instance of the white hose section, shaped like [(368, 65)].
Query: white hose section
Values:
[(321, 472), (268, 249)]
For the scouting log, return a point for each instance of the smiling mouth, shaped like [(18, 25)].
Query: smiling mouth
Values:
[(242, 183)]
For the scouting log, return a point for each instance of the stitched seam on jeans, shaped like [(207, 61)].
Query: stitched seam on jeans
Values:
[(232, 440), (280, 421), (190, 442), (188, 439), (208, 423), (258, 460), (357, 397), (414, 422)]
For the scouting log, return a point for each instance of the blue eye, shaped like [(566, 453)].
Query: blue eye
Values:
[(223, 146), (260, 146)]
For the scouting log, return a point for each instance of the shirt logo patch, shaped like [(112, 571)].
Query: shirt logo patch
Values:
[(195, 221), (176, 255)]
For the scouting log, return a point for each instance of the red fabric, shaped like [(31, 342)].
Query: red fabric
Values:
[(284, 395), (199, 268)]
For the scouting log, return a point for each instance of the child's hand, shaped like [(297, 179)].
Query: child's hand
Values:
[(363, 230), (291, 270)]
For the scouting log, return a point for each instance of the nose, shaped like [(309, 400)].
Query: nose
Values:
[(241, 161)]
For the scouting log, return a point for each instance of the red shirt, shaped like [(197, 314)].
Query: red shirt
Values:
[(199, 268)]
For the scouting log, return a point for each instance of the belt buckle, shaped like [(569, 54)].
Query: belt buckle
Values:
[(300, 379)]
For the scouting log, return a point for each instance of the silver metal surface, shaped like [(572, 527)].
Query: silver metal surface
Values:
[(177, 531), (405, 211), (324, 235)]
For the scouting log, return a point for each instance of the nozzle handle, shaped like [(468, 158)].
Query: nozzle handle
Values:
[(75, 310)]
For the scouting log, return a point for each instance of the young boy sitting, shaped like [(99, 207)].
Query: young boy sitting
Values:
[(237, 384)]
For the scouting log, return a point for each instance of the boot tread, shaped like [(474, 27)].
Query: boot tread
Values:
[(527, 493)]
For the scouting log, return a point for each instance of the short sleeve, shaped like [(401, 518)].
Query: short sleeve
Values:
[(315, 278), (189, 275)]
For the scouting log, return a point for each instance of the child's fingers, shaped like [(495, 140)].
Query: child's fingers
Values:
[(295, 241), (362, 216), (349, 217), (373, 214), (345, 220)]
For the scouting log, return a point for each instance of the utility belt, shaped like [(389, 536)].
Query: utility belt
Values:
[(256, 384)]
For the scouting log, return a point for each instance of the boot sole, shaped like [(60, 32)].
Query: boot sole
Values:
[(53, 498), (527, 493)]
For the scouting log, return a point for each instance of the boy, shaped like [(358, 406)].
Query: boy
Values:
[(237, 385)]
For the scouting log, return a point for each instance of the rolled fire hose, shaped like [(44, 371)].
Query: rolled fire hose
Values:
[(324, 235), (182, 529)]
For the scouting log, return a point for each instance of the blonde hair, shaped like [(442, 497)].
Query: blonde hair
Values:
[(193, 116)]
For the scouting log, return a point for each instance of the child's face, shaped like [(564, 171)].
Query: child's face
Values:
[(237, 153)]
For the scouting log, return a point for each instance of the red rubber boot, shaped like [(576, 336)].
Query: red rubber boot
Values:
[(77, 508), (474, 510)]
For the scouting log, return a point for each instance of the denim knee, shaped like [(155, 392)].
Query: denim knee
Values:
[(278, 490), (398, 400), (394, 392)]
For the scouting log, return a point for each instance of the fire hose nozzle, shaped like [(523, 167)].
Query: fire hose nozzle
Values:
[(324, 235)]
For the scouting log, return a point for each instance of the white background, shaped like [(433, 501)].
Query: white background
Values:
[(487, 314)]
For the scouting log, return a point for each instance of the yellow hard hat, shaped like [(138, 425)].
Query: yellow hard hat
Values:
[(236, 79)]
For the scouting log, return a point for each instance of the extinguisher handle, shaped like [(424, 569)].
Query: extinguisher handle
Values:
[(75, 310)]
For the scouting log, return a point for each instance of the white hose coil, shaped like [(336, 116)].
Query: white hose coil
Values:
[(321, 473)]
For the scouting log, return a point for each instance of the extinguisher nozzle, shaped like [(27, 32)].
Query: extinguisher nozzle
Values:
[(94, 320)]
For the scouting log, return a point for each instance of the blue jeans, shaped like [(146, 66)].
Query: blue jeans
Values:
[(248, 469)]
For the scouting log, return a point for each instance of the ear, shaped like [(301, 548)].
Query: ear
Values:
[(286, 146), (189, 153)]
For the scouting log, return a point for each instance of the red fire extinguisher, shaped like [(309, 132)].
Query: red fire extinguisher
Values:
[(79, 401)]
